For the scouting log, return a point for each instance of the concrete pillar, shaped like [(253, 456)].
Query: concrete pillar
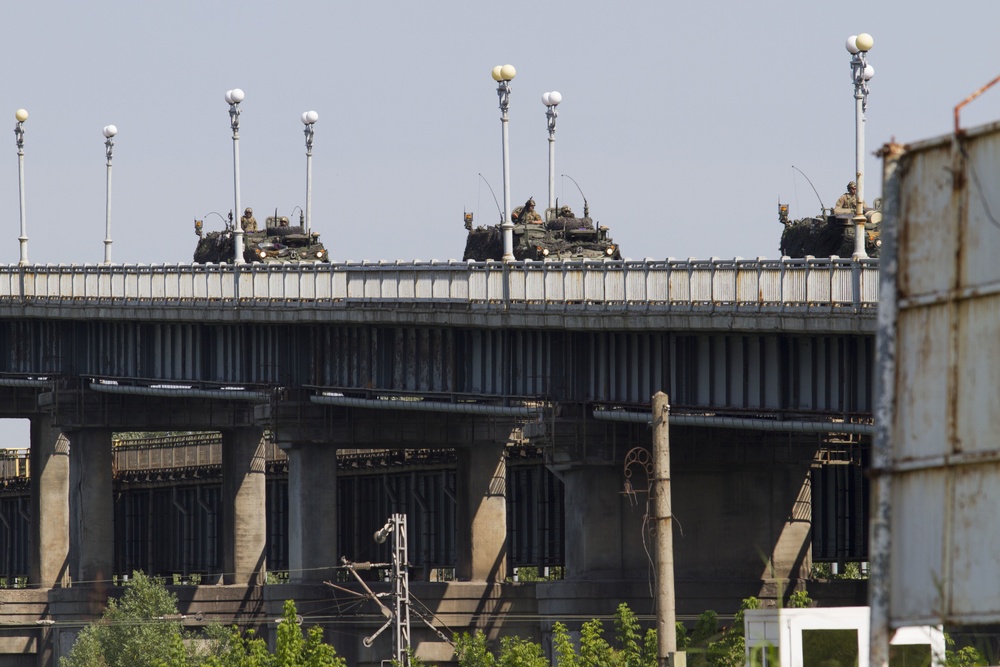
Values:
[(91, 503), (481, 513), (49, 460), (312, 512), (244, 536), (603, 526)]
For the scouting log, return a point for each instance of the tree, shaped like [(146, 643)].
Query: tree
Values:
[(516, 652), (627, 628), (143, 629), (133, 631), (471, 650), (563, 646)]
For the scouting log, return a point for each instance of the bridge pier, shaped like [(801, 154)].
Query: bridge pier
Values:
[(603, 525), (91, 507), (49, 463), (312, 512), (481, 513), (244, 521)]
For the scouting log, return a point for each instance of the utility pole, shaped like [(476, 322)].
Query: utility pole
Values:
[(666, 614)]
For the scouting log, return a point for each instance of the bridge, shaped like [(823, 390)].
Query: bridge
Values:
[(768, 364)]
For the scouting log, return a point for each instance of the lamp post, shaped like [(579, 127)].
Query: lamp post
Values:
[(309, 119), (551, 100), (861, 72), (109, 144), (503, 75), (234, 97), (21, 115)]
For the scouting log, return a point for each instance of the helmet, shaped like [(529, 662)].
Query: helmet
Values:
[(852, 184)]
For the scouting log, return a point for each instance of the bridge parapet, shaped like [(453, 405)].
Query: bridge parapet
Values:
[(736, 285)]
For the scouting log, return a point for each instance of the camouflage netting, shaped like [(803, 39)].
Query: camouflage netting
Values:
[(570, 223), (484, 243), (819, 237), (214, 247)]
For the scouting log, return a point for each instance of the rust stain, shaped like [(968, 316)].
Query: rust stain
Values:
[(958, 107)]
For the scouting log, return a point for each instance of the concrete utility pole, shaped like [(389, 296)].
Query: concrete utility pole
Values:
[(666, 615)]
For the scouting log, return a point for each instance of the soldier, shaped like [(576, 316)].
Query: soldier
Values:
[(848, 202), (247, 221), (527, 213)]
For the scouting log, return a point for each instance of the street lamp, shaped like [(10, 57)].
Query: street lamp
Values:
[(551, 100), (309, 119), (21, 115), (234, 97), (503, 75), (861, 73), (109, 143)]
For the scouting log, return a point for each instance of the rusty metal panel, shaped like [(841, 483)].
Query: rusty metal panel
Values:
[(723, 281), (943, 455), (615, 282)]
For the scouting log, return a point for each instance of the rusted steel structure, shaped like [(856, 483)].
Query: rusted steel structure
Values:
[(936, 462)]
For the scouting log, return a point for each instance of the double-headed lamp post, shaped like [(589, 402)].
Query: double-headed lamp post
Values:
[(551, 100), (21, 115), (503, 75), (309, 119), (234, 97), (109, 144), (861, 73)]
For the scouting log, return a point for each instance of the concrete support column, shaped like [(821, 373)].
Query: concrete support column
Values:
[(91, 506), (595, 535), (49, 460), (244, 536), (312, 512), (482, 513)]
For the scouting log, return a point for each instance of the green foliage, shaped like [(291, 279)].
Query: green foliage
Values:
[(472, 651), (132, 632), (966, 656), (706, 629), (414, 661), (230, 648), (825, 571), (651, 645), (710, 646), (515, 652), (563, 647), (290, 641), (627, 629), (799, 600), (594, 650), (531, 574)]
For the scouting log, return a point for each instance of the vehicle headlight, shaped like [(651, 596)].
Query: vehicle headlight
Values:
[(610, 250), (319, 254), (545, 252), (261, 253)]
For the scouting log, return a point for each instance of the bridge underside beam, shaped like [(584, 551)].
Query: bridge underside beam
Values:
[(82, 408)]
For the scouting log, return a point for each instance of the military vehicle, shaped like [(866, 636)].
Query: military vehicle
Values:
[(562, 236), (277, 243), (828, 234)]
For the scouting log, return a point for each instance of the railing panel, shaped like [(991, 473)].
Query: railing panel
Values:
[(732, 283)]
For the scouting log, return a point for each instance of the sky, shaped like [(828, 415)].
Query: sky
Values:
[(680, 121)]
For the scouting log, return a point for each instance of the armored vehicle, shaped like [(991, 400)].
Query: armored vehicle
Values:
[(277, 243), (829, 233), (562, 236)]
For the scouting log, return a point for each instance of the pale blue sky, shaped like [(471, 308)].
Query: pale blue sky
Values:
[(680, 121)]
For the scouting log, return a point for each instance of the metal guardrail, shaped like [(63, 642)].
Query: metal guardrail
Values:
[(649, 283), (176, 452)]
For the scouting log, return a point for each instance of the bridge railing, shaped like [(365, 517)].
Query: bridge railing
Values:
[(671, 283)]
